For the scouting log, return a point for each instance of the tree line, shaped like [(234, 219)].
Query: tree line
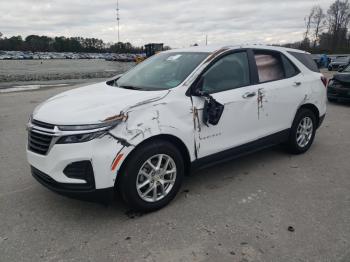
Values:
[(327, 31), (37, 43)]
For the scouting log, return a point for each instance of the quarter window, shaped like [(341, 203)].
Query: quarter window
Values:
[(290, 69), (306, 60), (230, 72)]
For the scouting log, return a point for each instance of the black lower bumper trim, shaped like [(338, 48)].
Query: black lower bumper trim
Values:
[(79, 191), (341, 93)]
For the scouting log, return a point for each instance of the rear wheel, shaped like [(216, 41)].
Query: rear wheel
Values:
[(152, 176), (303, 131)]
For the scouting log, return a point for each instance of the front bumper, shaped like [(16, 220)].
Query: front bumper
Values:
[(73, 190), (50, 169), (342, 93)]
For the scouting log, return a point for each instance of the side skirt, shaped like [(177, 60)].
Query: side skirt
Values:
[(242, 150)]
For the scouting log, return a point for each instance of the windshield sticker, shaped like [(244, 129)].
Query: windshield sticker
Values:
[(173, 58)]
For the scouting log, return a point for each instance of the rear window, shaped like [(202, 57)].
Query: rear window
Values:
[(306, 60)]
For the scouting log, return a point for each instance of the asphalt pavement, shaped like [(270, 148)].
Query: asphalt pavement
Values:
[(268, 206)]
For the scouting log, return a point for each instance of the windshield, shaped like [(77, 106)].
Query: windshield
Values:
[(162, 71)]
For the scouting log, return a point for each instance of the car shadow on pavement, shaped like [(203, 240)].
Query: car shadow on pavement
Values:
[(209, 178)]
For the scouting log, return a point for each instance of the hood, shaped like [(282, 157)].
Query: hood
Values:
[(342, 77), (92, 104)]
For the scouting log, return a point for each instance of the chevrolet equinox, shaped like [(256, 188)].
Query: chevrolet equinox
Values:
[(141, 132)]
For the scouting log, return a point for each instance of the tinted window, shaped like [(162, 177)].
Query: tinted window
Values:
[(269, 65), (231, 71), (290, 69), (306, 60)]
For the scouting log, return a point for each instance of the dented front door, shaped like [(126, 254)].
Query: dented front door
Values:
[(228, 82), (238, 123)]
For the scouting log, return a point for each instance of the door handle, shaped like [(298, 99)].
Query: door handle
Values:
[(249, 95), (297, 83)]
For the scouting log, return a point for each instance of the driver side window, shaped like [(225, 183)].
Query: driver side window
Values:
[(230, 72)]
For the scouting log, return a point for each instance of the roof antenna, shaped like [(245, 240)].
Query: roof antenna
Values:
[(118, 19)]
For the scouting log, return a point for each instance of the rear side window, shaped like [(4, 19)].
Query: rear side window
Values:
[(306, 60), (269, 65)]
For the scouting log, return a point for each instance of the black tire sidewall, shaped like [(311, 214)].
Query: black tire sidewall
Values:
[(293, 145), (127, 185)]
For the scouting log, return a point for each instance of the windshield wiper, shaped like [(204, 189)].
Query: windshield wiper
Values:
[(131, 87)]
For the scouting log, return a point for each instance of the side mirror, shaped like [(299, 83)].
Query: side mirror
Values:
[(113, 80)]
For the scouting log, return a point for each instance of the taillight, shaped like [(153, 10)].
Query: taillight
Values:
[(324, 80)]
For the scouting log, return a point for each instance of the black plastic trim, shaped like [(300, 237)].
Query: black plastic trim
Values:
[(53, 185)]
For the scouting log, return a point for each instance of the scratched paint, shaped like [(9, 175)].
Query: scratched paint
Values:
[(261, 99), (145, 115)]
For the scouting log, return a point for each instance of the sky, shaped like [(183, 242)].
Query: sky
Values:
[(178, 23)]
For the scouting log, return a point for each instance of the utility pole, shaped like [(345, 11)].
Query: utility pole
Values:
[(118, 19), (206, 39)]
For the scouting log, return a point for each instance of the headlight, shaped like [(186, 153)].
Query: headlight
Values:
[(80, 138), (105, 125), (108, 123)]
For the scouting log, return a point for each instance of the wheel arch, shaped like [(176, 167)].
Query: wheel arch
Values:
[(313, 108), (177, 142)]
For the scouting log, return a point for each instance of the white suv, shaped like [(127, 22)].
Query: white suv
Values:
[(141, 132)]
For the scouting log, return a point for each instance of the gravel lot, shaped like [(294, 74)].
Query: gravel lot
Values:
[(238, 211), (46, 70)]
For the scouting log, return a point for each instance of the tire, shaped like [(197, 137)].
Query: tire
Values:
[(295, 145), (131, 176), (332, 100), (330, 69)]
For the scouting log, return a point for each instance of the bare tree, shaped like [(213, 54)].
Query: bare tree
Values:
[(318, 22), (338, 18), (308, 20)]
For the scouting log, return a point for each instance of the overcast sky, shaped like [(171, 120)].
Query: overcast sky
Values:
[(176, 23)]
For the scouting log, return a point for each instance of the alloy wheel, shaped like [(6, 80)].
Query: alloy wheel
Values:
[(304, 132), (156, 178)]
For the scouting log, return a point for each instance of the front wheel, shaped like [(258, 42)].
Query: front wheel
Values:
[(303, 132), (152, 176)]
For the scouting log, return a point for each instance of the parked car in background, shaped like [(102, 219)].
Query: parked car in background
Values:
[(18, 55), (179, 110), (339, 86), (338, 63)]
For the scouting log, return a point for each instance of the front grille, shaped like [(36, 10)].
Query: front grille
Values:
[(42, 124), (39, 143)]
